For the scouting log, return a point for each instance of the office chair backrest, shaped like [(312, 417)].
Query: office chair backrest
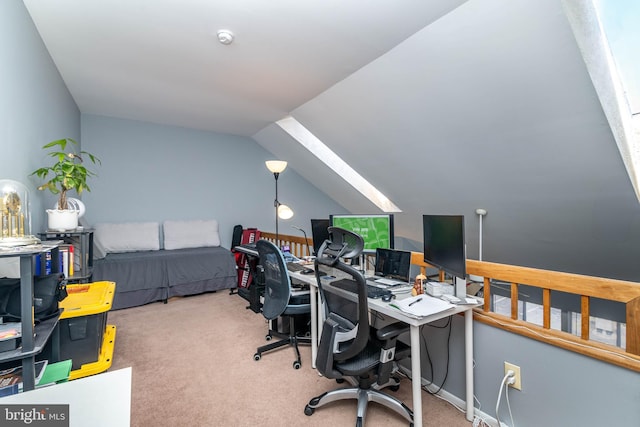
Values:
[(346, 328), (277, 285), (340, 244), (236, 237)]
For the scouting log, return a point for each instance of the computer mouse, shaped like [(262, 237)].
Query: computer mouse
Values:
[(388, 297), (307, 271)]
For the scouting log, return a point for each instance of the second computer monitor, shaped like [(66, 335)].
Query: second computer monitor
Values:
[(393, 264), (319, 233)]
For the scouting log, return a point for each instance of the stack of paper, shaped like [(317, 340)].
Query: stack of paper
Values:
[(422, 305)]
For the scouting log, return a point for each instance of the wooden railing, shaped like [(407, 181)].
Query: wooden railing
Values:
[(585, 287), (298, 245)]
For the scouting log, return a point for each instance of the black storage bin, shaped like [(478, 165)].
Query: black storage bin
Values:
[(81, 338)]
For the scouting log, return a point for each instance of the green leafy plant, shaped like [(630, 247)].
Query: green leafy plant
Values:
[(68, 172)]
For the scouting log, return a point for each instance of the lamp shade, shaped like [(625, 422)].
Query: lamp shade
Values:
[(284, 212), (276, 166)]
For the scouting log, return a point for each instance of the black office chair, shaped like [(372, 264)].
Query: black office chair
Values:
[(278, 300), (350, 349)]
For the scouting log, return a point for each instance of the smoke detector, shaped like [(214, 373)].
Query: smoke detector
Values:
[(225, 37)]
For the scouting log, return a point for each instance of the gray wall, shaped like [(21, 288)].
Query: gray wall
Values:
[(559, 388), (491, 107), (35, 105), (153, 172)]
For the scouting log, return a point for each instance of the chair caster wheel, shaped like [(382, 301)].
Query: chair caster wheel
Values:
[(268, 337), (394, 387), (339, 380), (296, 365), (308, 410), (256, 356)]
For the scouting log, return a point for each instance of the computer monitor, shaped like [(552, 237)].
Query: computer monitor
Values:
[(375, 229), (444, 245), (319, 233), (393, 264)]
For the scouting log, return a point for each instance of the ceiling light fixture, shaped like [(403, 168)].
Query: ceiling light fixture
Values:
[(225, 37)]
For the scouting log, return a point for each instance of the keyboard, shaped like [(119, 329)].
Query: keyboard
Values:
[(389, 282), (351, 286), (294, 266)]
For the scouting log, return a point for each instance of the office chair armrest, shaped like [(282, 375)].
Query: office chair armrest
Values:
[(388, 337), (392, 331)]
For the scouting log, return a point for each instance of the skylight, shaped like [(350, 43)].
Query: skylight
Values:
[(339, 166), (621, 32), (620, 21), (608, 36)]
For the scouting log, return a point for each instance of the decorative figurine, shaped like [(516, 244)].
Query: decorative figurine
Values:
[(418, 285)]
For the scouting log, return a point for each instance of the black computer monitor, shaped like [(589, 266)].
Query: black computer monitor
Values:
[(375, 229), (393, 264), (444, 245), (319, 233)]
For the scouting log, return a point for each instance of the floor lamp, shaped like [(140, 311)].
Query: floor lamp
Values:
[(480, 212), (282, 211)]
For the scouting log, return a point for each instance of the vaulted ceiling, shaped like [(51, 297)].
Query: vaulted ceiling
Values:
[(160, 61)]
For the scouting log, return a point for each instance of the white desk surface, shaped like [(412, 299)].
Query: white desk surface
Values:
[(102, 400)]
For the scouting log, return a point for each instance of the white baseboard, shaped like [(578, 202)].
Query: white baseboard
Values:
[(457, 402)]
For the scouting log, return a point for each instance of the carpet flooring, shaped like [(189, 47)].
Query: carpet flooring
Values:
[(192, 365)]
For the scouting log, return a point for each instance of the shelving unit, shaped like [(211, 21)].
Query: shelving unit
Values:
[(82, 240), (34, 338)]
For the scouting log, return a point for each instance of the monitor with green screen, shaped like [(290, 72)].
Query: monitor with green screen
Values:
[(375, 229)]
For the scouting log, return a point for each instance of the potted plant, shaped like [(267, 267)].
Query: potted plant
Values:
[(67, 173)]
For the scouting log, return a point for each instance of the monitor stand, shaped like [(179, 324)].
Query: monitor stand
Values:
[(460, 288)]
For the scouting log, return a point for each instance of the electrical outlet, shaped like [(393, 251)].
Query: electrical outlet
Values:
[(516, 369)]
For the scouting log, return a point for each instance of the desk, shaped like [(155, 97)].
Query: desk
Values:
[(414, 324), (316, 315)]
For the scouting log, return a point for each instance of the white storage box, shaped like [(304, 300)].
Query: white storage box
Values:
[(436, 289)]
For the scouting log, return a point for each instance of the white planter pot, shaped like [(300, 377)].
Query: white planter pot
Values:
[(62, 220)]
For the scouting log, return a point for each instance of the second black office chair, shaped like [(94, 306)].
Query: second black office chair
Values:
[(349, 348), (278, 300)]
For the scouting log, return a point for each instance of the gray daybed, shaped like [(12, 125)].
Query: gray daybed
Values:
[(190, 262)]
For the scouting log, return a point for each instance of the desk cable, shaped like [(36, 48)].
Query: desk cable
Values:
[(447, 325), (504, 385)]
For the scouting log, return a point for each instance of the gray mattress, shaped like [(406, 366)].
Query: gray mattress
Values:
[(148, 276)]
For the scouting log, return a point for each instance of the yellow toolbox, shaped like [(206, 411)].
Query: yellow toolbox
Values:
[(85, 337)]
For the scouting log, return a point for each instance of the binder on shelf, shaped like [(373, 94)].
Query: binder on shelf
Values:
[(66, 259), (43, 264), (55, 373), (71, 261)]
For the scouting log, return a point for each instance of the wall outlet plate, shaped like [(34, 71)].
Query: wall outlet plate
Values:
[(516, 369)]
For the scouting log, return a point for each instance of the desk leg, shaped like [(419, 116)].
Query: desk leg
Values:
[(313, 300), (416, 376), (468, 358)]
